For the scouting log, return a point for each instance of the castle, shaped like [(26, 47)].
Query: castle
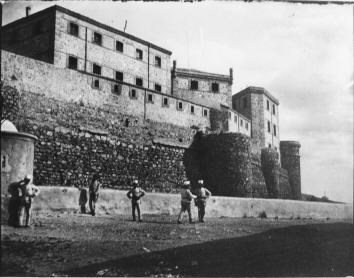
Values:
[(99, 99)]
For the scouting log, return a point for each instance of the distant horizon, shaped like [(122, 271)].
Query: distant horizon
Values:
[(301, 54)]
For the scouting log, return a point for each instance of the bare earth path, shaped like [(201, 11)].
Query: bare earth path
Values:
[(105, 245)]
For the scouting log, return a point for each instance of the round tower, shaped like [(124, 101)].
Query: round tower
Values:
[(270, 167), (290, 160)]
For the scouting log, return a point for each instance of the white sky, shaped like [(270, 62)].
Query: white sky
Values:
[(302, 54)]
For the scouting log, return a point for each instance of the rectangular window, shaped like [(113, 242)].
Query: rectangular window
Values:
[(179, 105), (97, 38), (246, 126), (235, 119), (96, 83), (268, 123), (273, 109), (139, 82), (215, 87), (192, 109), (275, 130), (119, 46), (267, 104), (194, 85), (157, 87), (241, 122), (205, 113), (73, 29), (244, 101), (165, 101), (117, 89), (150, 98), (119, 75), (96, 69), (72, 63), (133, 94), (158, 61), (139, 54)]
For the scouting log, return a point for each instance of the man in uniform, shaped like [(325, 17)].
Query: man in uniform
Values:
[(135, 194), (202, 195), (186, 199), (14, 202), (94, 192)]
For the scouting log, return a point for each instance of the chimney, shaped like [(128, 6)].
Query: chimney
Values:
[(28, 10), (231, 75), (173, 75)]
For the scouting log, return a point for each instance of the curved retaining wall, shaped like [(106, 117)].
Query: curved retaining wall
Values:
[(60, 199)]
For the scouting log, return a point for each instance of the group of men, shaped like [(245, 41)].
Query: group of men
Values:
[(20, 202)]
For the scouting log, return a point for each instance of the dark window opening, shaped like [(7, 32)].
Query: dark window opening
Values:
[(244, 102), (180, 105), (269, 145), (96, 84), (165, 101), (150, 98), (74, 29), (96, 69), (157, 61), (117, 89), (139, 54), (241, 122), (119, 75), (268, 126), (246, 126), (157, 87), (273, 109), (275, 130), (126, 123), (119, 46), (194, 85), (215, 87), (133, 93), (97, 38), (72, 62), (139, 82), (205, 113), (267, 104), (235, 119), (192, 109)]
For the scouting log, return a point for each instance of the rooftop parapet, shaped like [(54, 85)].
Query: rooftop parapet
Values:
[(256, 90)]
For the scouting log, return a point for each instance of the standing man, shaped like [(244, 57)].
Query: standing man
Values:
[(94, 192), (202, 195), (186, 199), (135, 194), (28, 192)]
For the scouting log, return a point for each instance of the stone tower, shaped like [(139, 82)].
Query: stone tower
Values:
[(290, 160), (261, 107)]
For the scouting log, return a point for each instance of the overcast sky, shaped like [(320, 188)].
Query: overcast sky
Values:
[(302, 54)]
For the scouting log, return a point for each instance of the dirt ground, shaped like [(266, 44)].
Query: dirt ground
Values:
[(68, 244)]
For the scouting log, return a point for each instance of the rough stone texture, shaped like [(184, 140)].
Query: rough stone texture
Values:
[(270, 166), (284, 185), (259, 188), (224, 163), (290, 160), (9, 103)]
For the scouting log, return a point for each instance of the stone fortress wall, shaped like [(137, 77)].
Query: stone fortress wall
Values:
[(89, 122)]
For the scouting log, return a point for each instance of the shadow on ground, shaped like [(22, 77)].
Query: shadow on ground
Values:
[(304, 250)]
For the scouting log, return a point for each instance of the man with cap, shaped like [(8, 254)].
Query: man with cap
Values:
[(94, 189), (202, 195), (186, 199), (14, 202), (28, 192), (135, 194)]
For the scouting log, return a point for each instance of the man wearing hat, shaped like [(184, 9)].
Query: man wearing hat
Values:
[(135, 194), (202, 195), (186, 199), (28, 192)]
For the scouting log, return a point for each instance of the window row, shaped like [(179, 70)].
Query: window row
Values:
[(97, 69), (194, 85), (241, 121), (97, 38), (273, 107), (274, 128)]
